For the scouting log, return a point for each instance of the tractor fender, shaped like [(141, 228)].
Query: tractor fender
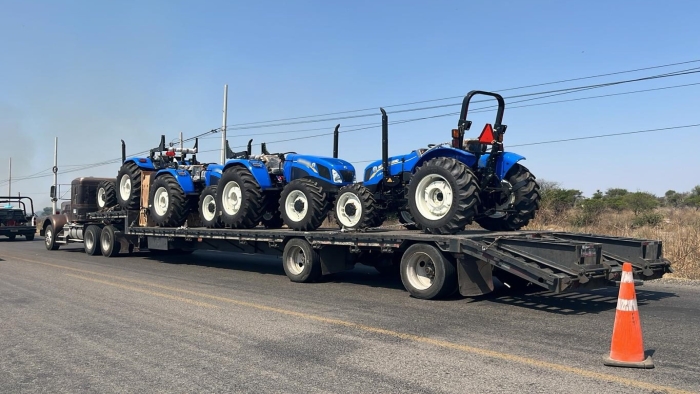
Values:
[(503, 163), (460, 155), (183, 178), (212, 174), (144, 163), (257, 169)]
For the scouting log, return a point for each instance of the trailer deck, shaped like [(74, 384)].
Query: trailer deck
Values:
[(556, 261)]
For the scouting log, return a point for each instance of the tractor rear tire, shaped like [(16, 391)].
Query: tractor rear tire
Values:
[(239, 198), (356, 208), (168, 205), (106, 195), (304, 205), (129, 186), (443, 196), (208, 210), (525, 200)]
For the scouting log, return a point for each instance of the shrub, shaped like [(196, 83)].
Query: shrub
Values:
[(650, 219)]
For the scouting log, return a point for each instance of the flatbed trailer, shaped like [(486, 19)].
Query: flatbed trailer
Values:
[(431, 266)]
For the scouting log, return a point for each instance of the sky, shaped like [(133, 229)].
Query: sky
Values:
[(94, 73)]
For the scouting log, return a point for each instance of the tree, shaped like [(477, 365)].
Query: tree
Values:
[(674, 199), (614, 198), (695, 191), (47, 211), (640, 202), (693, 202)]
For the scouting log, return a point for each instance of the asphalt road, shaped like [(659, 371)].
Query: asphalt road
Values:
[(215, 322)]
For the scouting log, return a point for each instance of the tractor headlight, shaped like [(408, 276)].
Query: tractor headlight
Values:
[(336, 176)]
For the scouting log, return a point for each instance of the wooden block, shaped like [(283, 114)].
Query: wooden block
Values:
[(144, 219)]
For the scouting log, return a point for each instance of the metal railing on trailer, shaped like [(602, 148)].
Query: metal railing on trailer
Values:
[(430, 265)]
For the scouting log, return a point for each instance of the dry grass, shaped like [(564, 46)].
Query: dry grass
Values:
[(679, 232)]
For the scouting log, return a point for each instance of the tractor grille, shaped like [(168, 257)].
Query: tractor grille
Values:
[(347, 175)]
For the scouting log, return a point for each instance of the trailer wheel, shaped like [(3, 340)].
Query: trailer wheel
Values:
[(356, 208), (168, 203), (108, 241), (301, 262), (50, 238), (304, 205), (129, 186), (12, 237), (208, 211), (443, 196), (106, 195), (29, 237), (427, 273), (523, 196), (239, 197), (91, 239)]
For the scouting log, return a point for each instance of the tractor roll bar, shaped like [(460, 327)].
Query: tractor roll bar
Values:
[(464, 125), (18, 199)]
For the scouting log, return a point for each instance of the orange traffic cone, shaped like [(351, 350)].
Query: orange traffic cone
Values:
[(627, 347)]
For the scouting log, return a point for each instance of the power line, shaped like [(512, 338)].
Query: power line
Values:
[(567, 90), (553, 93), (456, 97), (588, 137)]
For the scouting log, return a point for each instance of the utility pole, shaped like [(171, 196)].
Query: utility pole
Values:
[(55, 175), (223, 129), (9, 184)]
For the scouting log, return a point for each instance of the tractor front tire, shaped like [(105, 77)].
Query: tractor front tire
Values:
[(304, 205), (208, 210), (272, 218), (129, 186), (168, 205), (356, 208), (406, 219), (443, 196), (524, 199), (106, 195), (239, 198)]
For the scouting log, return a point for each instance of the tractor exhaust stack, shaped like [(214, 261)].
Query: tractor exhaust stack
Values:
[(385, 143), (123, 152), (335, 141)]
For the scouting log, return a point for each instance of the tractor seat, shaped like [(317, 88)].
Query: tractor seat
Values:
[(273, 164), (474, 146)]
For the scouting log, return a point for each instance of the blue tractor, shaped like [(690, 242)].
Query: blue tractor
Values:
[(443, 188), (298, 188), (177, 184)]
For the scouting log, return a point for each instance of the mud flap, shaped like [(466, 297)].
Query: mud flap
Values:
[(474, 276), (335, 259)]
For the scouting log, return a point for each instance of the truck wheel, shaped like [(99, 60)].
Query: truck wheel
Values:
[(239, 197), (207, 208), (106, 195), (406, 219), (50, 238), (521, 197), (304, 205), (356, 208), (168, 203), (91, 239), (108, 241), (427, 273), (29, 237), (301, 262), (129, 186), (443, 196)]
